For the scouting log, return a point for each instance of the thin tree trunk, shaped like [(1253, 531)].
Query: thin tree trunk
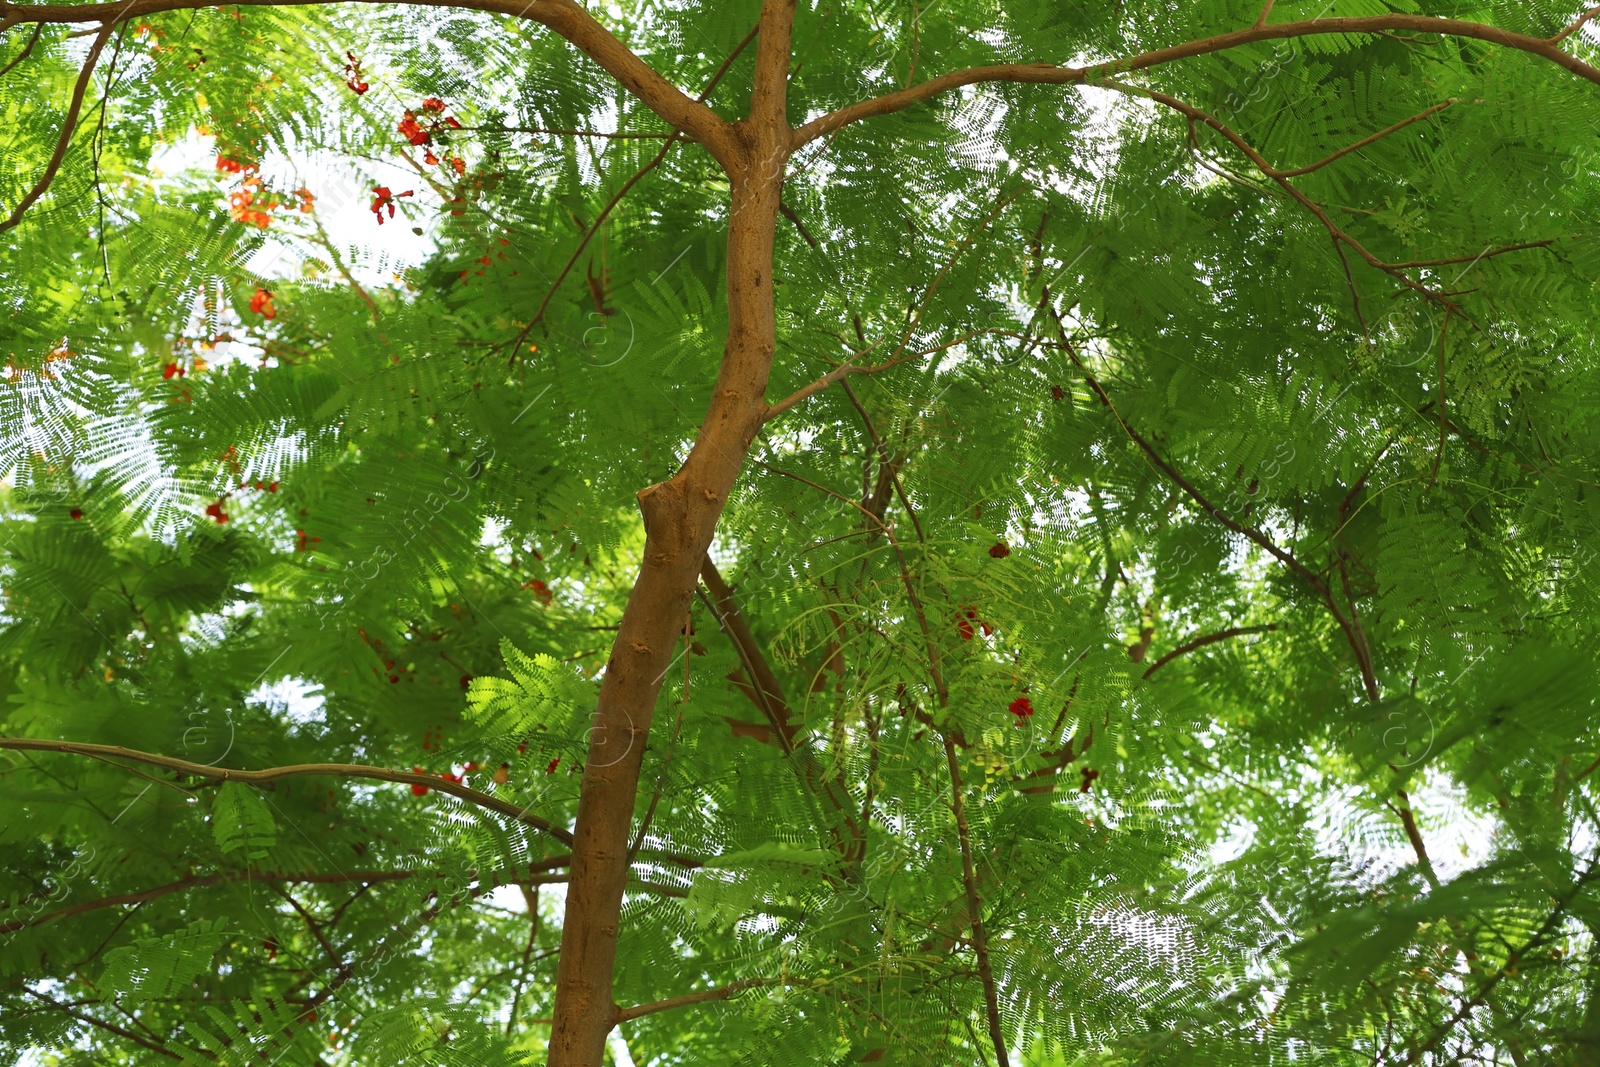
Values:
[(680, 516)]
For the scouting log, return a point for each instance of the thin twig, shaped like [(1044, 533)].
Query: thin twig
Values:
[(969, 880), (299, 770), (1209, 639)]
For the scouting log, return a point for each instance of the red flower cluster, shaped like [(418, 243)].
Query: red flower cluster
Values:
[(172, 370), (1021, 707), (251, 201), (261, 303), (999, 550), (382, 197), (540, 590), (215, 510), (420, 131), (352, 67), (301, 539), (965, 617), (76, 513)]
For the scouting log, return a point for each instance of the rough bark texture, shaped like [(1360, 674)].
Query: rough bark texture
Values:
[(680, 516)]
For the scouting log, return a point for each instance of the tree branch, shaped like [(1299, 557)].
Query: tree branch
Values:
[(616, 199), (1345, 151), (1209, 639), (1050, 74), (564, 17), (969, 880), (69, 124), (196, 883), (101, 1024), (301, 770), (702, 997)]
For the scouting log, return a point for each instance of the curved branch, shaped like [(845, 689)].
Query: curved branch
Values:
[(1050, 74), (68, 125), (26, 50), (1369, 139), (563, 17), (299, 770), (1209, 639)]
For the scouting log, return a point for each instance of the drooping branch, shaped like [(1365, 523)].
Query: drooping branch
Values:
[(1310, 577), (1340, 237), (101, 1024), (1369, 139), (27, 50), (69, 125), (1050, 74), (299, 770)]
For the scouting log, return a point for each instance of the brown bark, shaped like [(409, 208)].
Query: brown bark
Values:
[(680, 516)]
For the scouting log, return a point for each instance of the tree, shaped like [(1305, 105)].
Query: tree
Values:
[(1094, 485)]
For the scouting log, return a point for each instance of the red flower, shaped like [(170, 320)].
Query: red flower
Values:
[(352, 67), (413, 130), (433, 103), (965, 617), (1021, 707), (215, 510), (76, 514), (419, 790), (172, 370), (541, 591), (382, 197), (447, 776), (261, 304), (230, 166), (551, 768), (999, 550), (458, 164)]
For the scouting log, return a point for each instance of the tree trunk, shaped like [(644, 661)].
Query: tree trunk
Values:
[(680, 516)]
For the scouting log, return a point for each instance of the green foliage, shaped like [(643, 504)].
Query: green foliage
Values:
[(1287, 538)]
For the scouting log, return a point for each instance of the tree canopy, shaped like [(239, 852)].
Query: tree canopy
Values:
[(938, 532)]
